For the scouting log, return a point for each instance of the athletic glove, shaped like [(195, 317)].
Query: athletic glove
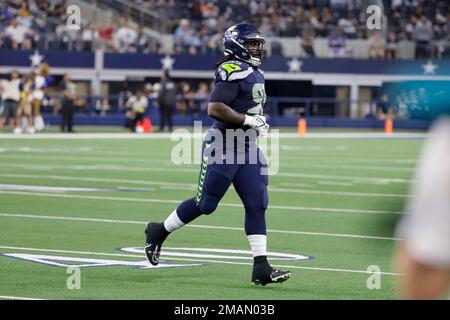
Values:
[(259, 123)]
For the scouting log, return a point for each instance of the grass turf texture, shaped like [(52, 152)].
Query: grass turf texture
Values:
[(317, 177)]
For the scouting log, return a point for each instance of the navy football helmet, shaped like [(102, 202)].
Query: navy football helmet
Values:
[(245, 42)]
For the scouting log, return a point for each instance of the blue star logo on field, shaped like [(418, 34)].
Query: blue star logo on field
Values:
[(36, 59), (167, 62), (429, 67), (295, 65)]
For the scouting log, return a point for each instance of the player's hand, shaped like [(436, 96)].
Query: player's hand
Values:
[(263, 131), (259, 123), (255, 121)]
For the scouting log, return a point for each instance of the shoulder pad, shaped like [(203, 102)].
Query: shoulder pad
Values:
[(233, 70)]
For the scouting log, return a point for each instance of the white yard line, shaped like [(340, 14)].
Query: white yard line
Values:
[(373, 180), (41, 188), (18, 298), (46, 167), (341, 193), (336, 183), (83, 158), (181, 186), (88, 219), (115, 158), (103, 165), (90, 179), (297, 184), (95, 167), (403, 159), (225, 204), (368, 180), (301, 164), (190, 259)]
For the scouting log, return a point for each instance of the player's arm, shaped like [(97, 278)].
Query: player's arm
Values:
[(222, 97), (220, 111)]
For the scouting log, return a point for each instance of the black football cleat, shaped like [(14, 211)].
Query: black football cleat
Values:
[(156, 234), (264, 274)]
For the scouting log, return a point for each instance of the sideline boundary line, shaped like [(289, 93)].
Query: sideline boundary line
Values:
[(288, 135)]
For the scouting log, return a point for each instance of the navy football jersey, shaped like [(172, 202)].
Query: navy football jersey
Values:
[(241, 87)]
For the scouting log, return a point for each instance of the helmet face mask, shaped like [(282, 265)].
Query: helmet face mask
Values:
[(246, 43)]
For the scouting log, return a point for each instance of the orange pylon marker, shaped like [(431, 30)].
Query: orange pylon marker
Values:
[(301, 127), (148, 126), (388, 125)]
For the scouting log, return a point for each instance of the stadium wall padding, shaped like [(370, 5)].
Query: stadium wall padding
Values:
[(201, 65), (275, 121)]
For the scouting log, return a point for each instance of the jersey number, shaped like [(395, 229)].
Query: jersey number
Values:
[(259, 97)]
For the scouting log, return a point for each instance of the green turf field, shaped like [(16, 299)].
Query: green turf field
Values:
[(333, 199)]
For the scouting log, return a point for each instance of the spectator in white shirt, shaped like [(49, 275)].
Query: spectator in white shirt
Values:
[(125, 37), (10, 93), (88, 36), (347, 25), (136, 106), (16, 33)]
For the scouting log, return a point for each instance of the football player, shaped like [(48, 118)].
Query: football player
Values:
[(236, 102)]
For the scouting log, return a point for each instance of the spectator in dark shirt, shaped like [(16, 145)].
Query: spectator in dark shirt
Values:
[(69, 97), (308, 44), (391, 46), (166, 100)]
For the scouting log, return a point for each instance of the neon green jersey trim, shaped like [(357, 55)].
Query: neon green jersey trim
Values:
[(231, 67)]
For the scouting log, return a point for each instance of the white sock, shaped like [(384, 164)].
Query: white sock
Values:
[(258, 244), (173, 222)]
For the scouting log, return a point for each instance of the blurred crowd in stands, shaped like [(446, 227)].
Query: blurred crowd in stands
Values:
[(190, 97), (25, 97), (19, 29), (198, 26)]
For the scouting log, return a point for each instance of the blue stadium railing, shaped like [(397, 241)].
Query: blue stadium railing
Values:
[(283, 111), (117, 104)]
